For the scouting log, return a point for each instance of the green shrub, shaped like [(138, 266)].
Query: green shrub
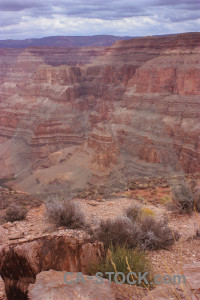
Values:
[(65, 213), (122, 259)]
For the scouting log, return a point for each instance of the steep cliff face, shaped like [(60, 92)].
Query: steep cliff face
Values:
[(74, 117)]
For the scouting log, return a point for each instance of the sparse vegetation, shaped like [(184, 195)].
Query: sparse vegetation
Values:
[(147, 212), (65, 213), (136, 230), (15, 213), (165, 199), (140, 197), (118, 231), (128, 194), (137, 212), (122, 259), (185, 199), (156, 234), (133, 212), (3, 181)]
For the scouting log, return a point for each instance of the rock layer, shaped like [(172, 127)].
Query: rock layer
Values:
[(71, 117)]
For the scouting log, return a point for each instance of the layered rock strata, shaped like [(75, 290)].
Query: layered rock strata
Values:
[(71, 117)]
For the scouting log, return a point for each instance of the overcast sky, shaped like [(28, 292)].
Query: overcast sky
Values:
[(38, 18)]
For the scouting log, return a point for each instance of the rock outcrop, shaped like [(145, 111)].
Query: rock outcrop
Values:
[(20, 262), (72, 117)]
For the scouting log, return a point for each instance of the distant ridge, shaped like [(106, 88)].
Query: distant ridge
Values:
[(64, 41)]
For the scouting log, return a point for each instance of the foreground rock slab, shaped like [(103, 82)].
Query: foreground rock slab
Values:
[(51, 285)]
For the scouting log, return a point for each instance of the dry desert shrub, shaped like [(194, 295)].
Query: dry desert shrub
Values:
[(136, 230), (137, 212), (156, 234), (118, 231), (65, 213), (186, 199), (15, 213)]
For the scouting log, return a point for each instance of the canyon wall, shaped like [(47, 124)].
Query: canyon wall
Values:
[(76, 117), (63, 41)]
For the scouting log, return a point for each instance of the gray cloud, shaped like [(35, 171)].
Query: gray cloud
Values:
[(163, 13), (18, 5), (100, 9)]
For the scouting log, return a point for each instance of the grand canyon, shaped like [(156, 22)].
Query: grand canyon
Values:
[(108, 122), (73, 117)]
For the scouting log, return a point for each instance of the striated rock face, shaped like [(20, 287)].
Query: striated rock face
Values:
[(21, 262), (71, 117)]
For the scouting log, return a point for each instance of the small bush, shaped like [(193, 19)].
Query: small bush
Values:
[(15, 213), (136, 231), (136, 212), (119, 231), (65, 213), (156, 234), (183, 197), (116, 261)]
